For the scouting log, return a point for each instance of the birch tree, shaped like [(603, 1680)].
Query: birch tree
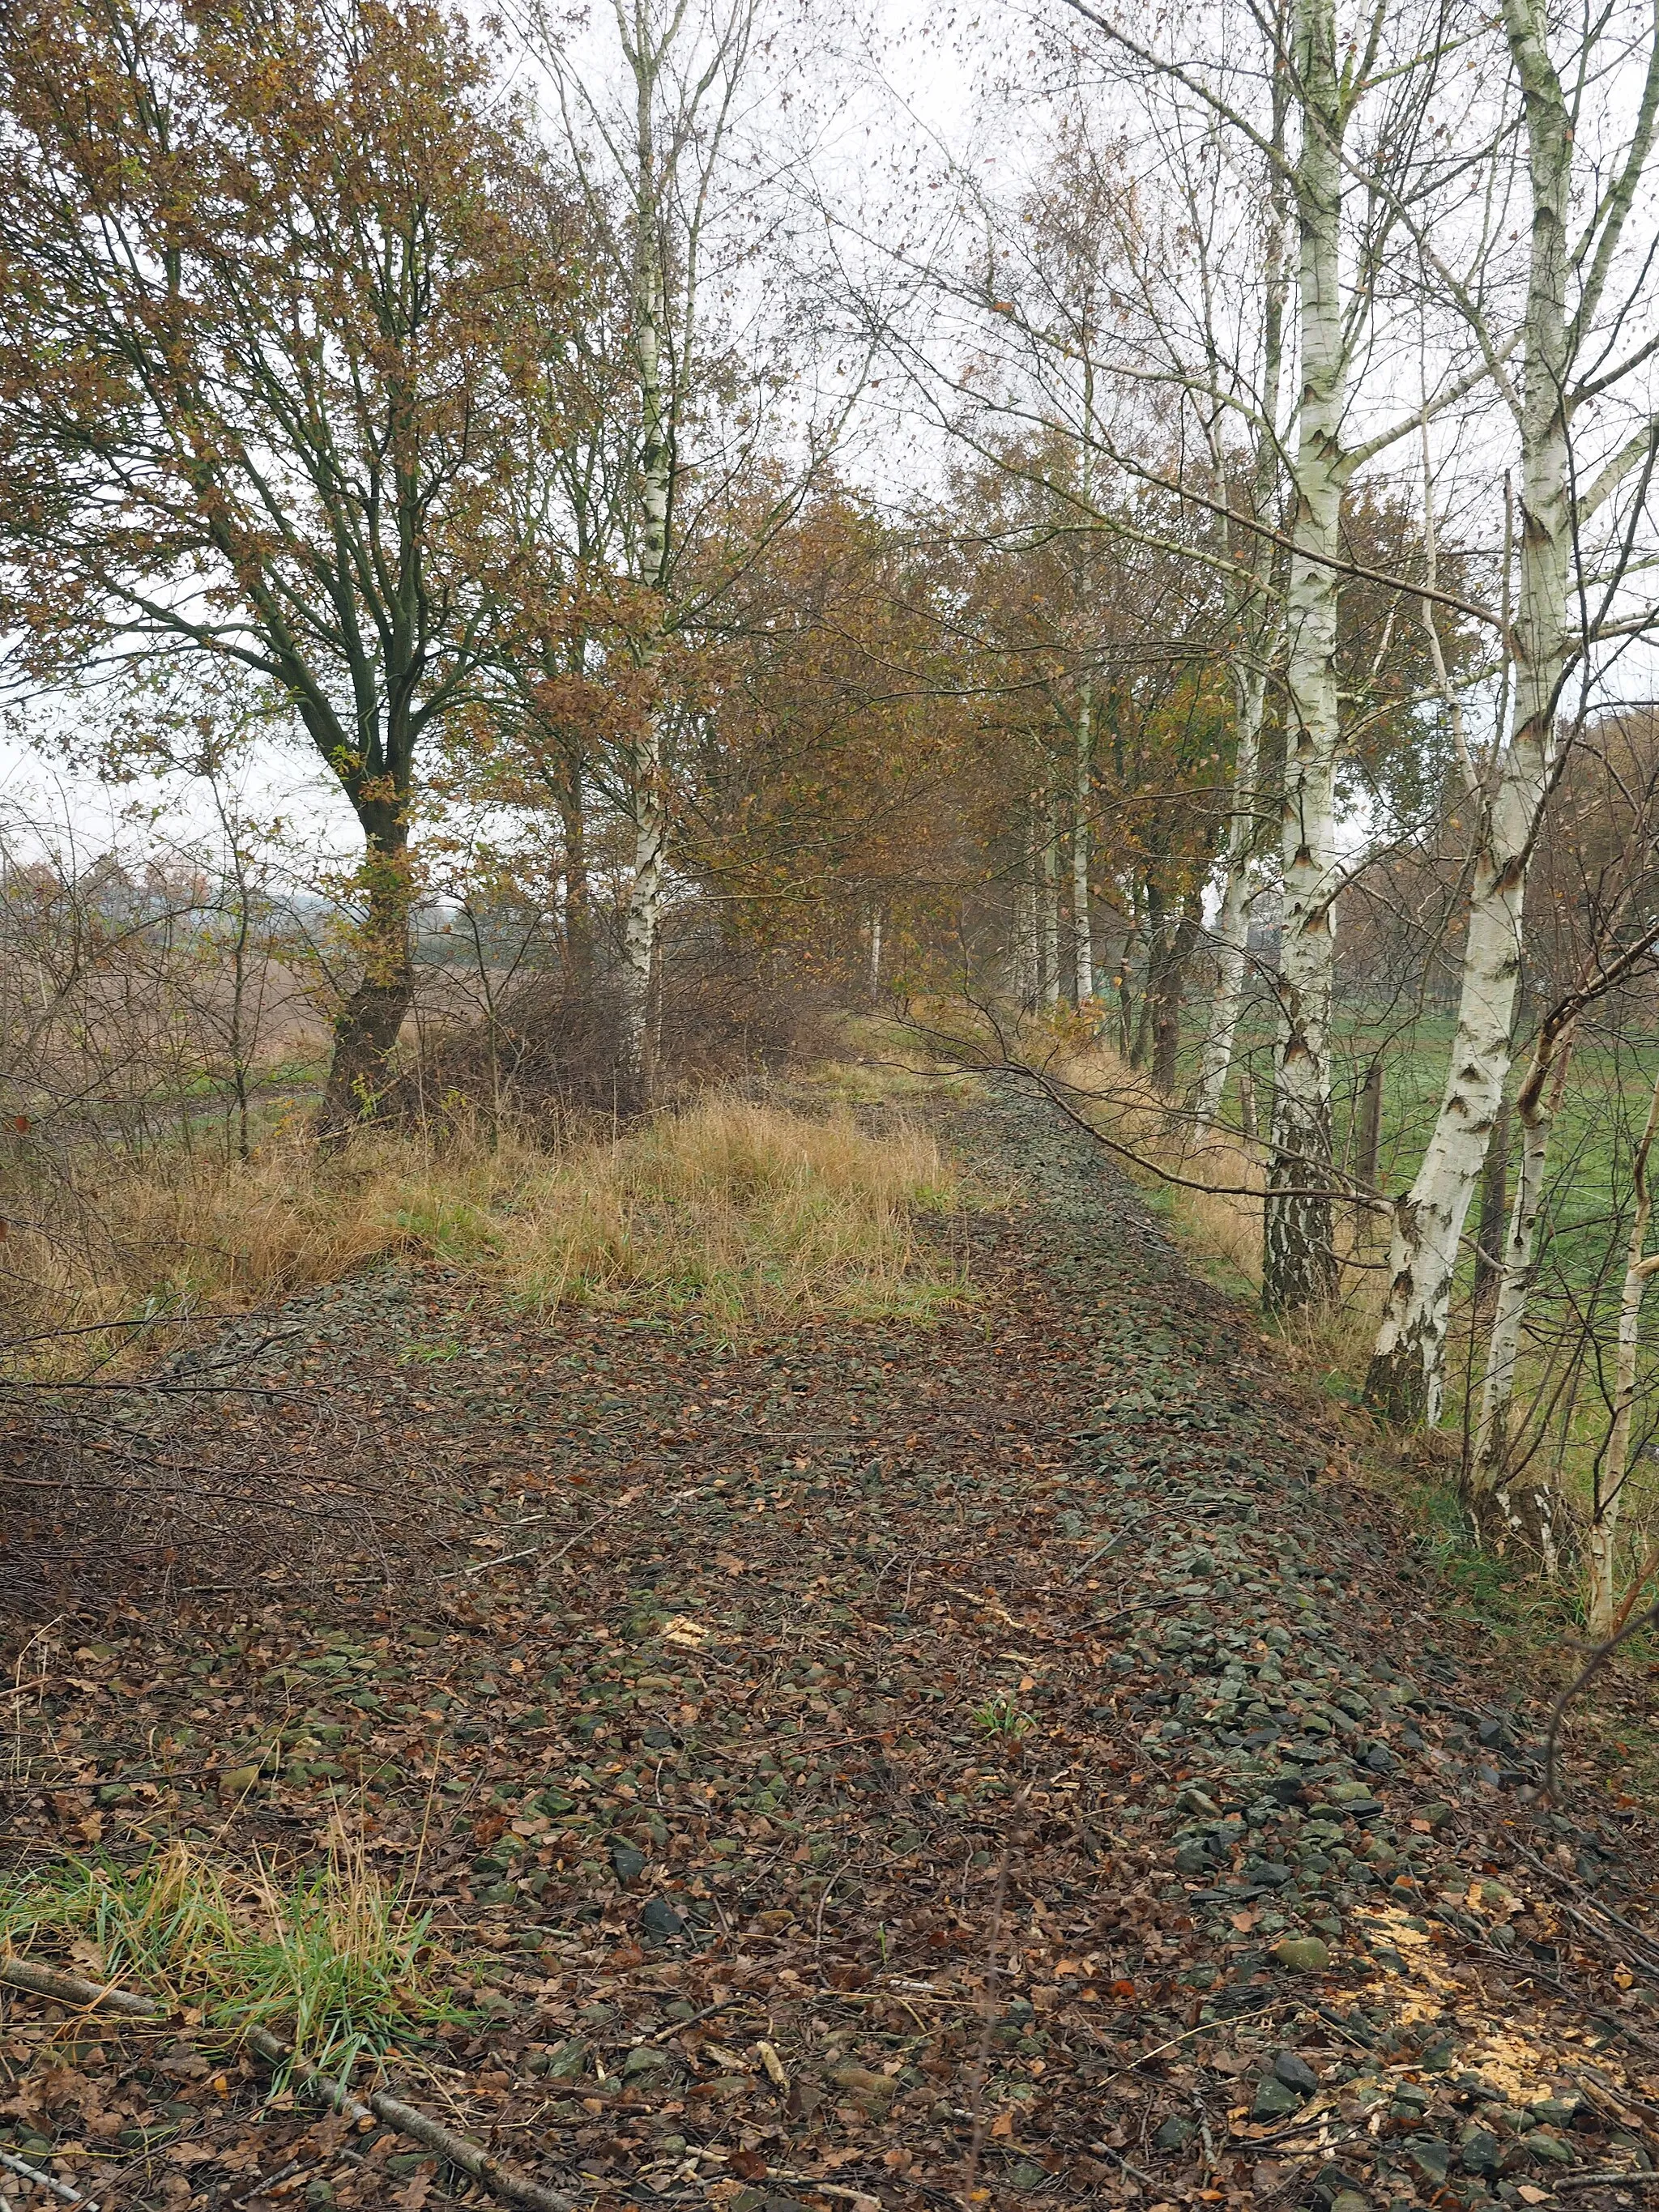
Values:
[(1338, 106), (649, 133), (1509, 1514), (1255, 615), (1581, 342), (1612, 1466)]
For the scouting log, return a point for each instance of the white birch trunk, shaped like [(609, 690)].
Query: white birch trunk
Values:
[(1299, 1268), (1027, 976), (1231, 933), (643, 921), (1050, 881), (875, 955), (1505, 1519), (1082, 804), (1252, 567), (1406, 1376), (1602, 1539)]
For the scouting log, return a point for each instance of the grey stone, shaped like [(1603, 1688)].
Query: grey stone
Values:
[(1431, 2158), (1275, 2100), (1333, 2187), (627, 1863), (1295, 2073), (1175, 2133), (1478, 2150), (659, 1920), (645, 2059), (1548, 2147)]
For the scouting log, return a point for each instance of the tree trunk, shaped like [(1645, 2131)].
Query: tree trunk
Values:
[(1082, 806), (1249, 579), (1050, 909), (640, 926), (1494, 1212), (1246, 1107), (1152, 982), (1602, 1538), (636, 1072), (1231, 934), (1510, 1517), (1126, 982), (578, 892), (1300, 1269), (1407, 1377), (1027, 974), (1368, 1168), (368, 1027), (875, 957), (1179, 934)]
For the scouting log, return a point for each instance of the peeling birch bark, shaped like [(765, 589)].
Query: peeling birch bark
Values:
[(1299, 1268), (1231, 933), (1406, 1381), (1406, 1376)]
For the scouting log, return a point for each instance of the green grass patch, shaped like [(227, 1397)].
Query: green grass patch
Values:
[(333, 1964)]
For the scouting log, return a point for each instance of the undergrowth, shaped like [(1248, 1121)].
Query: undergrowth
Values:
[(333, 1964), (748, 1211)]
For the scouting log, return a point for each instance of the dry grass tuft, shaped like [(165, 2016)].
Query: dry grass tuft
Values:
[(745, 1210), (332, 1964)]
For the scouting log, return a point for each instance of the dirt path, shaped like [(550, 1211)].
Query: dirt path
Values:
[(1021, 1729)]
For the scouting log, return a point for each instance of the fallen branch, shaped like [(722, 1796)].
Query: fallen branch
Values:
[(25, 2171), (538, 1551), (504, 2181)]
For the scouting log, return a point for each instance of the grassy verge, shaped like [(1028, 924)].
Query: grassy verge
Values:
[(745, 1210), (333, 1965)]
